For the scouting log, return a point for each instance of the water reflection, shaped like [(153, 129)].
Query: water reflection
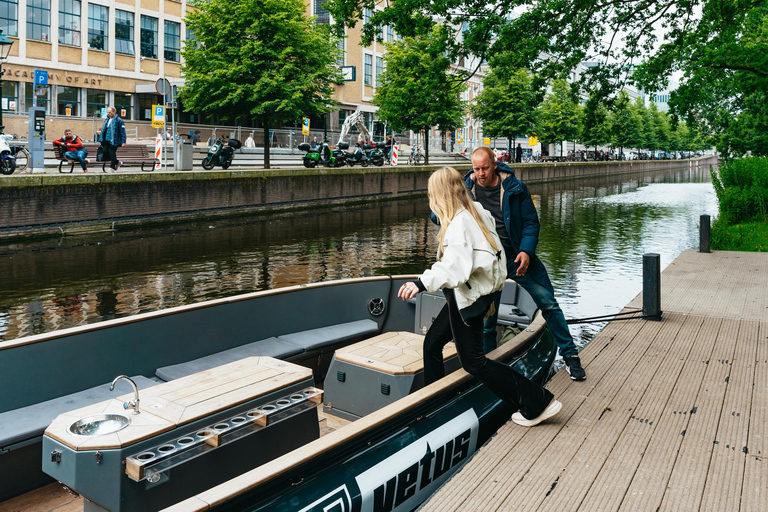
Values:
[(593, 235)]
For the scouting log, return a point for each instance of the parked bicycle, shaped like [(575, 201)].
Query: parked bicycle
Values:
[(416, 156), (22, 157)]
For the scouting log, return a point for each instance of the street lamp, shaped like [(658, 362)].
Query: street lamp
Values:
[(5, 49)]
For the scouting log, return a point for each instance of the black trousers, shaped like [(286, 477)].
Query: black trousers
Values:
[(110, 152), (505, 382)]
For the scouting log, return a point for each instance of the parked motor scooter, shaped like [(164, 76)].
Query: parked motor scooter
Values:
[(221, 154), (376, 154), (323, 155), (358, 156), (7, 160)]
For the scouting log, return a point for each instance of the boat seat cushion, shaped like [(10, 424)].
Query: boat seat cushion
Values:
[(27, 423), (315, 339), (272, 347)]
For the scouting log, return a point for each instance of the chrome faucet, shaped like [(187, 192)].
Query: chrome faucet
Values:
[(128, 405)]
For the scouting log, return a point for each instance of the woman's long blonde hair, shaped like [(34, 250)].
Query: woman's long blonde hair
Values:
[(448, 196)]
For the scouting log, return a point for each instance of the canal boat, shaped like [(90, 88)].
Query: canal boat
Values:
[(301, 398)]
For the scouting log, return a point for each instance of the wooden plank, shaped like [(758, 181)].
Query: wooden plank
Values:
[(649, 480), (754, 494), (45, 499), (505, 461), (398, 353), (686, 483), (722, 490), (581, 451)]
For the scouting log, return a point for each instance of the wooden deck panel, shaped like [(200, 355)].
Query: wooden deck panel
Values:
[(684, 410), (755, 487)]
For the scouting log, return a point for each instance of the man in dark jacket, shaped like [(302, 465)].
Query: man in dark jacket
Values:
[(494, 185), (112, 136)]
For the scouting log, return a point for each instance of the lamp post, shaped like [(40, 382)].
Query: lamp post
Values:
[(5, 49)]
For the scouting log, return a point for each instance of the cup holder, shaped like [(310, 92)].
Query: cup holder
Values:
[(166, 448), (144, 457), (188, 440)]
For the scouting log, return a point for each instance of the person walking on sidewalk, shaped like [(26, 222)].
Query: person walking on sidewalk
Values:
[(73, 148), (112, 137), (471, 269), (495, 186)]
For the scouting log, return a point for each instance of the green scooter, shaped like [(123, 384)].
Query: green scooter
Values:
[(324, 155)]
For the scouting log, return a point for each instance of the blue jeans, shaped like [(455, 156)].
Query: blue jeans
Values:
[(78, 155), (538, 285)]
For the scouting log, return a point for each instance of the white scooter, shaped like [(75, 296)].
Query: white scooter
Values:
[(7, 160)]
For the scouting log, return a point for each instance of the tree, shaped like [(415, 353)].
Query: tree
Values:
[(593, 130), (623, 125), (558, 115), (507, 104), (417, 92), (258, 58)]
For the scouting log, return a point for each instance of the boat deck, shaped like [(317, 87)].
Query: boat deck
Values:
[(672, 416)]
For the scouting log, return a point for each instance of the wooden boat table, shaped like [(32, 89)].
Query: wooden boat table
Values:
[(396, 353), (172, 404)]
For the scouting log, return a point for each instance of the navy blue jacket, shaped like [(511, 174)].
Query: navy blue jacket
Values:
[(119, 131), (520, 219)]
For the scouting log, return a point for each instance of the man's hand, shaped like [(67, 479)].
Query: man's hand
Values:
[(524, 260), (123, 144), (408, 291)]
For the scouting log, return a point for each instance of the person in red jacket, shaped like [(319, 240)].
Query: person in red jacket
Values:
[(73, 148)]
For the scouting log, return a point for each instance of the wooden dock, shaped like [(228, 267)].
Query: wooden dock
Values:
[(672, 416)]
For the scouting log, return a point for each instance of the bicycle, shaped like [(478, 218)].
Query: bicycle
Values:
[(416, 156), (22, 157)]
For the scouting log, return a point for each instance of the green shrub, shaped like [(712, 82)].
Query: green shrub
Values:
[(750, 237), (742, 190)]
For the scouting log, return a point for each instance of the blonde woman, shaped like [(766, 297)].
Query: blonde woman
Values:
[(471, 269)]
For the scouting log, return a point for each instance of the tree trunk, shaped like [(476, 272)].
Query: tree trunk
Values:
[(266, 142), (426, 144)]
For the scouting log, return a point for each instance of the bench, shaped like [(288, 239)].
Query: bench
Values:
[(281, 347), (134, 154), (26, 425), (59, 152)]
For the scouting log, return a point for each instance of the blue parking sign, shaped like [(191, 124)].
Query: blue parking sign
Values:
[(41, 77)]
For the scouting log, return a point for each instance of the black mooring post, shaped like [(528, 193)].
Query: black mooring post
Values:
[(704, 233), (652, 285)]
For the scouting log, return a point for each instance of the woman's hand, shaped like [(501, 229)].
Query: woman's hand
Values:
[(408, 291)]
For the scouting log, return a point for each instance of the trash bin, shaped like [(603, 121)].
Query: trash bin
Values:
[(183, 157)]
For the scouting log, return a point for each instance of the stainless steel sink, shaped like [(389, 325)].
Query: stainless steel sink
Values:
[(99, 425)]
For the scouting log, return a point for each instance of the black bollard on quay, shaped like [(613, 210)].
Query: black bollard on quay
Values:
[(652, 285), (704, 233)]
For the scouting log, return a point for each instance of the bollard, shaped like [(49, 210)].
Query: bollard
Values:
[(652, 285), (704, 233)]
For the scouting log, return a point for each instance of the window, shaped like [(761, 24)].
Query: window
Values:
[(379, 69), (340, 46), (68, 98), (145, 106), (323, 15), (390, 34), (367, 14), (172, 41), (10, 95), (69, 22), (95, 100), (124, 104), (98, 27), (148, 37), (124, 32), (9, 15), (38, 19), (43, 100), (368, 75)]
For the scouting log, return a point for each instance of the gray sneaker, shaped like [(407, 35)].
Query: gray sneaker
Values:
[(574, 368)]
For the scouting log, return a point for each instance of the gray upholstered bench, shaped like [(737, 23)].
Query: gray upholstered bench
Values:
[(27, 424), (517, 307), (281, 347)]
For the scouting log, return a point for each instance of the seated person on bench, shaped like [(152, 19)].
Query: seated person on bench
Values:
[(72, 148)]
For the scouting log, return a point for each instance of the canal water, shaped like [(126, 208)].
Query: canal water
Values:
[(594, 233)]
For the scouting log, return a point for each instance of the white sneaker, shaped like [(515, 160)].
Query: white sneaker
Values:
[(552, 409)]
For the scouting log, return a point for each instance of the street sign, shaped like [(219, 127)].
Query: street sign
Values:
[(158, 116), (487, 141), (41, 77), (305, 126), (162, 86), (533, 140)]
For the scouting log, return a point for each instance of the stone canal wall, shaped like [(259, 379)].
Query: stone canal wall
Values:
[(67, 204)]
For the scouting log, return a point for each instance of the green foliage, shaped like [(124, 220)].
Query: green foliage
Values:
[(559, 115), (750, 236), (258, 59), (742, 190), (507, 104), (417, 91)]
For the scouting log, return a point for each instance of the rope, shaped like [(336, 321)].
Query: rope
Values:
[(628, 315)]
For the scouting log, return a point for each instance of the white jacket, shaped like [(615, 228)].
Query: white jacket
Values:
[(469, 265)]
